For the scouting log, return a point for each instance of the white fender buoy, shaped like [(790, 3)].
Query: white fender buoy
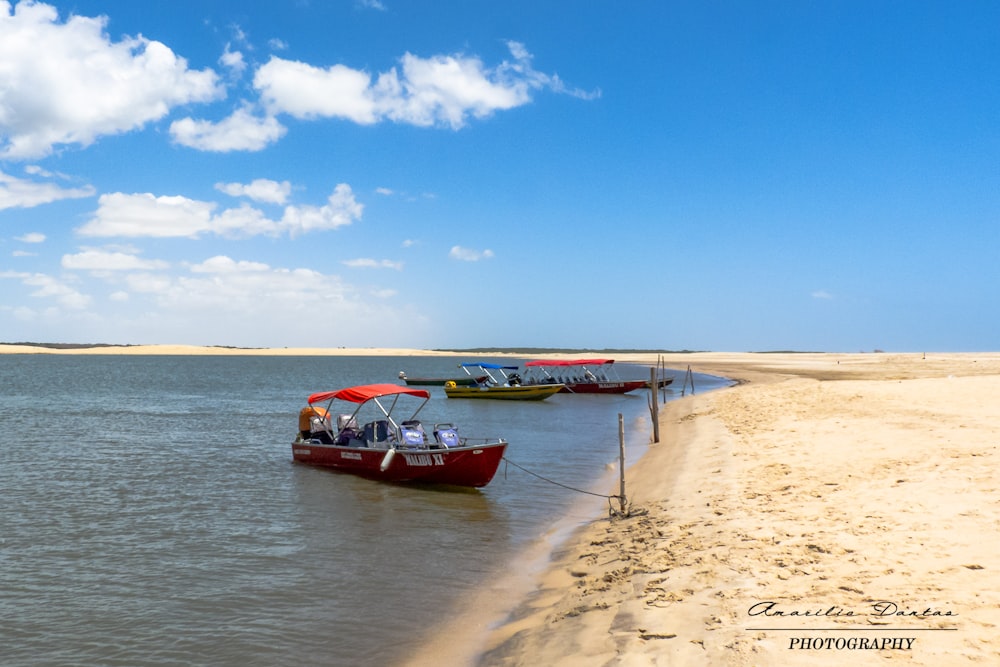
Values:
[(387, 460)]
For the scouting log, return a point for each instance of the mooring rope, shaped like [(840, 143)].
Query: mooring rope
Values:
[(552, 481)]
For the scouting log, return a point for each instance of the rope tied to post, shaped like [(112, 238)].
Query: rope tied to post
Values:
[(552, 481), (611, 510), (624, 508)]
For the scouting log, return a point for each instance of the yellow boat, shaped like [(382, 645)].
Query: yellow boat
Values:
[(503, 386), (509, 393)]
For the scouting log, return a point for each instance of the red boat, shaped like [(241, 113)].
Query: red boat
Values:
[(385, 448), (583, 376)]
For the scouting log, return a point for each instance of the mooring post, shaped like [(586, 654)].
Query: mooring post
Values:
[(654, 406), (662, 374), (621, 463), (688, 377)]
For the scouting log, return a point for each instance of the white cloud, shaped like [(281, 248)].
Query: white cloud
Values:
[(821, 294), (225, 293), (341, 209), (243, 222), (221, 300), (441, 90), (146, 215), (68, 83), (21, 193), (148, 283), (444, 90), (47, 287), (31, 237), (260, 189), (92, 259), (366, 263), (384, 191), (469, 255), (223, 264), (242, 131), (36, 170), (233, 61), (304, 91)]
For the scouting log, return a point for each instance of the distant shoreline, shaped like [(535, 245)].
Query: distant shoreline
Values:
[(106, 348), (741, 366), (205, 350)]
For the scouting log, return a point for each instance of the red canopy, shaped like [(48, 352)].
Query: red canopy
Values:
[(366, 392), (571, 362)]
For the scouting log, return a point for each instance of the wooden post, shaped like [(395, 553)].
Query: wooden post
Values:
[(621, 463), (654, 406), (661, 372), (688, 376)]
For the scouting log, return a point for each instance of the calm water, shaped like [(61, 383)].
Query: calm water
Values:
[(151, 514)]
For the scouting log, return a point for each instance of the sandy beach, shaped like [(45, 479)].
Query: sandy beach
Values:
[(830, 508)]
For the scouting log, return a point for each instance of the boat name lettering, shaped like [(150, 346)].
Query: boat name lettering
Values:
[(424, 459), (305, 452), (354, 456)]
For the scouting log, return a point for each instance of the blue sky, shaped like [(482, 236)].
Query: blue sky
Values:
[(677, 175)]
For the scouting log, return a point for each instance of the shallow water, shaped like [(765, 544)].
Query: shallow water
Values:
[(152, 514)]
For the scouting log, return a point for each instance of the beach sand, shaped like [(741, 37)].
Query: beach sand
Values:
[(857, 494), (829, 509)]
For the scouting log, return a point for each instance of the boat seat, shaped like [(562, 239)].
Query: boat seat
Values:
[(413, 433), (447, 435), (378, 431), (325, 437), (350, 437)]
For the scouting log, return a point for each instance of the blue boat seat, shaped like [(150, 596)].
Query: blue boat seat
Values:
[(447, 435), (413, 433)]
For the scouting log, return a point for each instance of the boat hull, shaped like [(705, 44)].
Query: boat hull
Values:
[(620, 387), (604, 387), (518, 393), (471, 465)]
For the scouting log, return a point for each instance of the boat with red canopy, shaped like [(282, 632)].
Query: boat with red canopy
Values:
[(583, 376), (367, 438)]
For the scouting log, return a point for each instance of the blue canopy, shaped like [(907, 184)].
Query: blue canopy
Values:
[(479, 365)]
